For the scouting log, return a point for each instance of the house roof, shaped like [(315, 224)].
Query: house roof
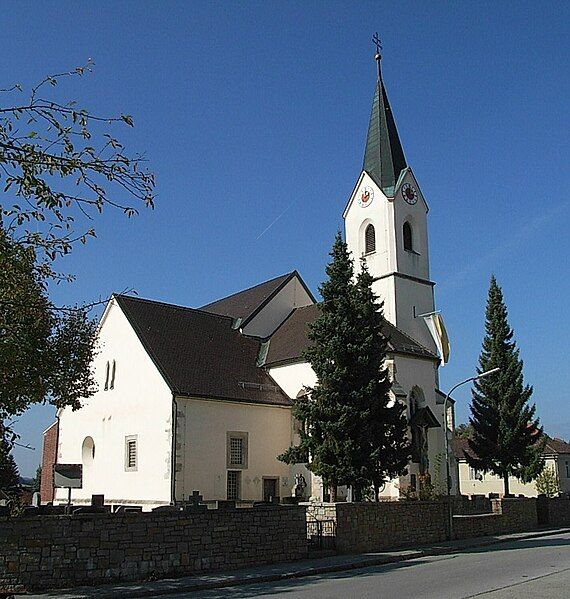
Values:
[(199, 354), (245, 304), (553, 446), (290, 340)]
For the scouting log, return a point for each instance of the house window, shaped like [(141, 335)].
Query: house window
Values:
[(408, 237), (474, 474), (113, 370), (236, 449), (107, 376), (567, 469), (369, 240), (234, 484), (131, 453)]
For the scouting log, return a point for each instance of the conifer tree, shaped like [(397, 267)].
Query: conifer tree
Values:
[(383, 426), (351, 434), (507, 438)]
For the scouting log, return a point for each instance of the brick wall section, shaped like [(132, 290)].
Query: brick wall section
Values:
[(49, 458), (44, 552), (553, 511)]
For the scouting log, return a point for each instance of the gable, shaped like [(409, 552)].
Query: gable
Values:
[(261, 309)]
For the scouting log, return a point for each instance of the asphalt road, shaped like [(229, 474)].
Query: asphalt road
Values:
[(538, 567)]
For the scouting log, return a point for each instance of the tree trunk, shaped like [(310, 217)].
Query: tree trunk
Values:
[(376, 492), (332, 492), (506, 483)]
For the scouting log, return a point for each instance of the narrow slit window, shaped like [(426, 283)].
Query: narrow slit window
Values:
[(107, 376), (369, 239), (408, 237), (113, 370)]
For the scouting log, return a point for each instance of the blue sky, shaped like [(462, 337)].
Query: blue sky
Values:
[(256, 113)]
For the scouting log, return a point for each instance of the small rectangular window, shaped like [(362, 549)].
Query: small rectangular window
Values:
[(236, 449), (131, 453), (474, 474), (107, 376), (234, 484), (567, 469)]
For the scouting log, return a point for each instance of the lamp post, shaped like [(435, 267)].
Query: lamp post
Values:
[(446, 438)]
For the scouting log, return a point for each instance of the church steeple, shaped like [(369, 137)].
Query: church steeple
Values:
[(383, 158)]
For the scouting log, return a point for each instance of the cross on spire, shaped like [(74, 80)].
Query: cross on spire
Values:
[(378, 43)]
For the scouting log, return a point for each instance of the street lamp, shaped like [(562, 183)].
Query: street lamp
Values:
[(447, 468)]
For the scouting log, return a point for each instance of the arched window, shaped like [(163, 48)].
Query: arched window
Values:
[(369, 239), (107, 376), (408, 237), (88, 451)]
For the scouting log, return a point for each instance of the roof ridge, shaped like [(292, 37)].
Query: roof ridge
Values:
[(283, 276), (176, 306)]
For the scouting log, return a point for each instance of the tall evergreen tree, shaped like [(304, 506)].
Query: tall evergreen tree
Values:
[(383, 425), (351, 434), (507, 438)]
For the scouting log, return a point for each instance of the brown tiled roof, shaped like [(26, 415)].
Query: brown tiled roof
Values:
[(199, 354), (245, 304), (554, 445), (460, 448), (289, 341)]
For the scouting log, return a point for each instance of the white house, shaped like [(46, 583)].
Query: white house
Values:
[(200, 399), (472, 482)]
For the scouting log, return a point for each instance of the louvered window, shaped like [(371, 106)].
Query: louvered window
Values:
[(131, 453), (369, 239), (408, 237)]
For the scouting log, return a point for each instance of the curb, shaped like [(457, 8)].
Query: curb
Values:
[(192, 586)]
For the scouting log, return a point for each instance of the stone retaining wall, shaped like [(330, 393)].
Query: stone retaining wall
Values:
[(553, 511), (44, 552), (362, 527)]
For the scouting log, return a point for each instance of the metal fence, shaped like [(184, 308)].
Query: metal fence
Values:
[(321, 534)]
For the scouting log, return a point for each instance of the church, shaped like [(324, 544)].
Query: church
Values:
[(199, 399)]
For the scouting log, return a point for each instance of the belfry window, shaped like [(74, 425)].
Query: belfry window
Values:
[(369, 239), (408, 237)]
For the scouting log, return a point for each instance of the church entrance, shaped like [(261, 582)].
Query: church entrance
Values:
[(270, 489)]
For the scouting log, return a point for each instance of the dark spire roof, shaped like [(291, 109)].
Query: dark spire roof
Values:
[(384, 158)]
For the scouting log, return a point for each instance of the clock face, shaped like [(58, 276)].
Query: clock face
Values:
[(366, 196), (409, 193)]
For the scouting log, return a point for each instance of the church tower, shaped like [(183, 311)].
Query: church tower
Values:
[(386, 223)]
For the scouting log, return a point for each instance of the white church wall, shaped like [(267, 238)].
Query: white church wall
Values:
[(379, 213), (414, 298), (201, 460), (140, 404), (293, 295), (293, 377)]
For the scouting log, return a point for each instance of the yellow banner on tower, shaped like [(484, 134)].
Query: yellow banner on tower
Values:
[(439, 333)]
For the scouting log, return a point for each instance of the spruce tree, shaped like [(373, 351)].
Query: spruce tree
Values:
[(507, 438), (326, 413), (383, 426), (352, 435)]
